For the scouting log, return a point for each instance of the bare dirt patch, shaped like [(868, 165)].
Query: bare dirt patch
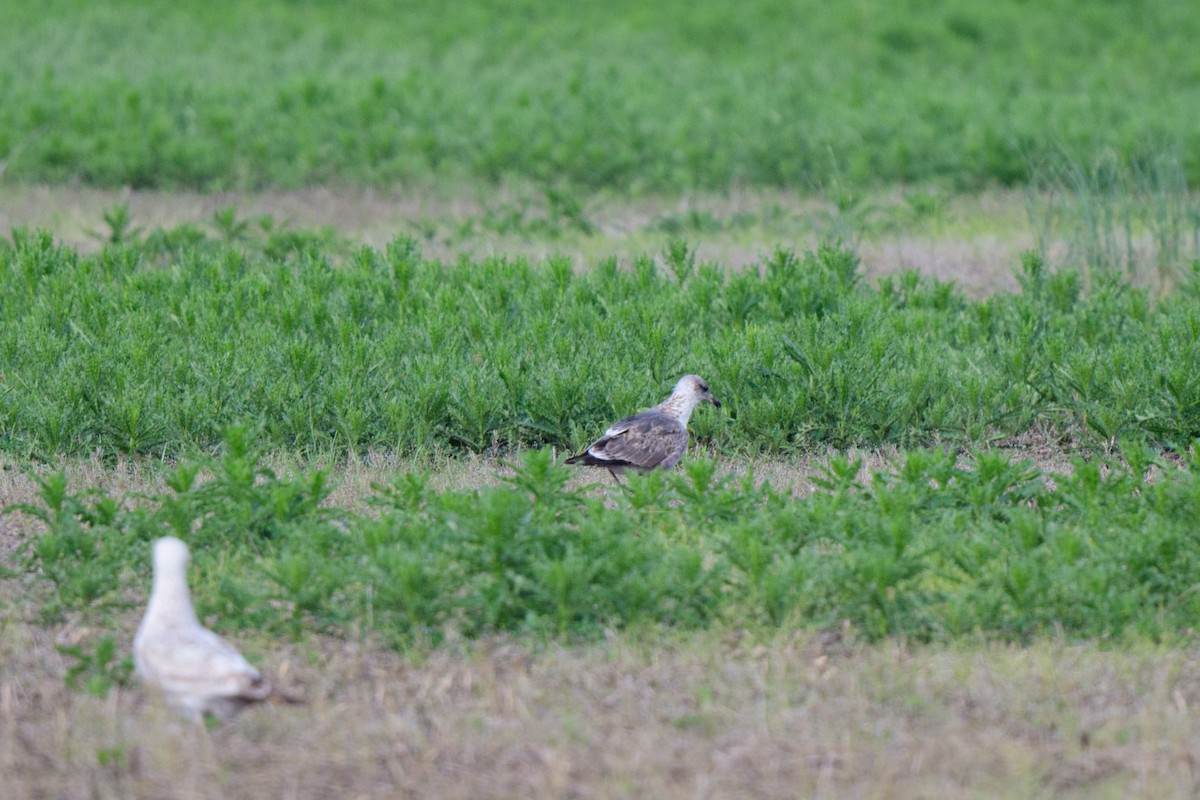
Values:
[(353, 481), (973, 240)]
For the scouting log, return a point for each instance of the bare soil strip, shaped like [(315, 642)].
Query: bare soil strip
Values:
[(352, 482), (974, 240)]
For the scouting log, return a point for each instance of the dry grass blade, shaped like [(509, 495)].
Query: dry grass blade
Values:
[(711, 716)]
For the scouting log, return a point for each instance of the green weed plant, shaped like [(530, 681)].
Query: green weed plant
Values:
[(623, 96), (99, 670), (934, 548), (138, 351)]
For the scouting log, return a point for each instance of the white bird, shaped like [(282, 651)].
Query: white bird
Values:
[(653, 439), (198, 672)]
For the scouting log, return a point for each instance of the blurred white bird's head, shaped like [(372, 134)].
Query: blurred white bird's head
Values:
[(170, 555)]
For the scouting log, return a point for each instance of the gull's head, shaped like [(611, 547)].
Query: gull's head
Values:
[(170, 556), (695, 388)]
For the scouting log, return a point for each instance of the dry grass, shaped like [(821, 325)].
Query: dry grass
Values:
[(975, 240), (713, 715), (643, 714), (352, 480)]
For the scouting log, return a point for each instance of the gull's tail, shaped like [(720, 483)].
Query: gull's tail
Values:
[(292, 696), (590, 460)]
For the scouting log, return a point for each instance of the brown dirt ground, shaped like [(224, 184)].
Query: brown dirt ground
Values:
[(973, 240)]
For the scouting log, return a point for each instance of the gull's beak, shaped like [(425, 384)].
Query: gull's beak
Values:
[(714, 401)]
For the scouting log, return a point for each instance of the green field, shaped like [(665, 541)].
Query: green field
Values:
[(627, 96), (156, 345), (329, 291), (929, 549)]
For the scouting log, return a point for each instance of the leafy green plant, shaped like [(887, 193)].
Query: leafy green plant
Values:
[(231, 228), (932, 548), (120, 226), (856, 96), (321, 352), (99, 670)]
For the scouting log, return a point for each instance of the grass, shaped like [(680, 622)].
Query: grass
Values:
[(737, 708), (162, 340), (715, 715), (731, 228), (624, 97), (945, 620), (1138, 219), (926, 549), (973, 240)]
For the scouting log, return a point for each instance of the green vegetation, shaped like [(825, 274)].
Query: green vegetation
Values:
[(625, 95), (1140, 219), (158, 343), (712, 607), (101, 668), (930, 549)]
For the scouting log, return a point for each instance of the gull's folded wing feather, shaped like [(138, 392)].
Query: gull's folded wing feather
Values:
[(645, 441), (197, 661)]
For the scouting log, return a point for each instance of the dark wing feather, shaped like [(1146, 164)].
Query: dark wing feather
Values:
[(644, 441)]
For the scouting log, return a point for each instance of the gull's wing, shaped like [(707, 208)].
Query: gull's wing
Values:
[(197, 662), (644, 441)]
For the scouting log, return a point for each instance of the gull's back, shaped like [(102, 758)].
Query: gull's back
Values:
[(644, 441)]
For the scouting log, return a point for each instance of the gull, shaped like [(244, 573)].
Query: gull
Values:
[(653, 439), (198, 672)]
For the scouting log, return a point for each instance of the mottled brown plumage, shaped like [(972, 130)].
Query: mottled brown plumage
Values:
[(653, 439)]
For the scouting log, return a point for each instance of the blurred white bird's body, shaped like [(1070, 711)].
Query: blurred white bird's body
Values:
[(197, 671)]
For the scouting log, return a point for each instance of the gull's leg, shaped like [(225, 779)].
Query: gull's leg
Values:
[(614, 477)]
